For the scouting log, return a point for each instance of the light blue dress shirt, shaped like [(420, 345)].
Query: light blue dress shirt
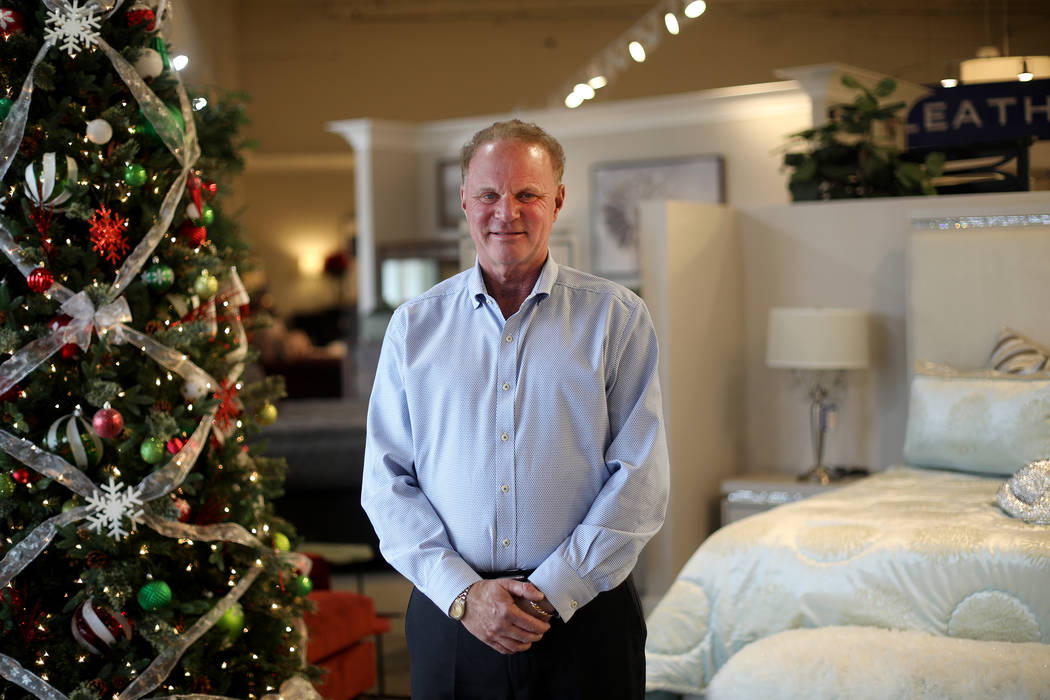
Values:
[(535, 442)]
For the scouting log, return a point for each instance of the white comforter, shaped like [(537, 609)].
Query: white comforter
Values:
[(905, 549)]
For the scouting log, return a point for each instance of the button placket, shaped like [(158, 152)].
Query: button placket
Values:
[(506, 362)]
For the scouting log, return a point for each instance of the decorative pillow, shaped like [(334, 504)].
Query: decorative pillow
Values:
[(985, 423), (1015, 354)]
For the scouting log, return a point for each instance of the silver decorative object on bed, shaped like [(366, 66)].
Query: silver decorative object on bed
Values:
[(1026, 494)]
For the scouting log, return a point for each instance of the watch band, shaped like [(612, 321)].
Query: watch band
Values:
[(546, 615)]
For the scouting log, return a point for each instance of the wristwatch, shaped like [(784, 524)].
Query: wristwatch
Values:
[(459, 606)]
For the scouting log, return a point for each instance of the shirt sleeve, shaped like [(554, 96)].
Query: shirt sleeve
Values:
[(630, 508), (411, 535)]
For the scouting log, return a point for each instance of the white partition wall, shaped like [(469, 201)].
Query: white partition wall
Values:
[(691, 284)]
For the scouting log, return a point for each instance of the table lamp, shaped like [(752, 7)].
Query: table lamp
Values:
[(818, 345)]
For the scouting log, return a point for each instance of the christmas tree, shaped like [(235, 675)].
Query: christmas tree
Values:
[(141, 552)]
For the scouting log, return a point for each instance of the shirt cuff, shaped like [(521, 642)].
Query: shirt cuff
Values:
[(562, 586), (443, 589)]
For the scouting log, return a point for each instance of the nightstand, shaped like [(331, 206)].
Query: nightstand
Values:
[(753, 493)]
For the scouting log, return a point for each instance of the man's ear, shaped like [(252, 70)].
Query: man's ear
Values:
[(559, 199)]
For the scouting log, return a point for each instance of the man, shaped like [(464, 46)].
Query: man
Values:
[(516, 462)]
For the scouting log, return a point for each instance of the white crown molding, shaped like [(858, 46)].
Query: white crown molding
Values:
[(377, 134), (642, 114)]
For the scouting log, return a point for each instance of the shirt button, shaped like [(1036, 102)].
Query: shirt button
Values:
[(504, 437), (573, 604), (506, 386), (506, 543), (504, 488), (510, 338)]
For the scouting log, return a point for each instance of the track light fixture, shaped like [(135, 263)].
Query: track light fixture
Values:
[(640, 40)]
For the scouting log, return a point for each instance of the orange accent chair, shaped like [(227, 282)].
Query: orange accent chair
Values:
[(341, 633)]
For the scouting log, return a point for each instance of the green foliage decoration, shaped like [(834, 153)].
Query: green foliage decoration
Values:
[(845, 157)]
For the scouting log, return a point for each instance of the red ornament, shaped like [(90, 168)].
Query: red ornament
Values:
[(141, 14), (60, 321), (10, 394), (40, 280), (11, 21), (175, 444), (107, 422), (210, 189), (22, 475), (69, 350), (195, 235), (99, 629), (182, 507)]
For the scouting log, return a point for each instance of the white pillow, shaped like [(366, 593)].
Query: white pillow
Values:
[(985, 423)]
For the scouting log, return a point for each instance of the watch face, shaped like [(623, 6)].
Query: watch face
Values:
[(457, 610)]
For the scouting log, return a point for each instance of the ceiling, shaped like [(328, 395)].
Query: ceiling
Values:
[(453, 10)]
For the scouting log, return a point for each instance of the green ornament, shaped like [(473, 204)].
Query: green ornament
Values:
[(207, 216), (146, 126), (5, 107), (69, 505), (7, 486), (154, 595), (302, 585), (135, 175), (152, 450), (206, 285), (281, 542), (232, 621), (158, 277)]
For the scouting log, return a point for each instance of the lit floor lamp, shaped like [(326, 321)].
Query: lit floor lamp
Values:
[(818, 345)]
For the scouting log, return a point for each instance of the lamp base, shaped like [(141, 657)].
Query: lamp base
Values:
[(825, 475), (819, 474)]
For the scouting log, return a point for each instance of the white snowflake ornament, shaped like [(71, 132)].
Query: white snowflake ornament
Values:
[(111, 505), (74, 26)]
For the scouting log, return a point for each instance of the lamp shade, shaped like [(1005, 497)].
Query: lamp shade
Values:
[(817, 338)]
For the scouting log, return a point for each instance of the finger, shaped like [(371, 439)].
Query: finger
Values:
[(528, 590)]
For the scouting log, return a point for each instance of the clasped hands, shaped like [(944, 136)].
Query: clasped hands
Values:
[(499, 614)]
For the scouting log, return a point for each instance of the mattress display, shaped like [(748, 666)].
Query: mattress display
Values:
[(905, 549)]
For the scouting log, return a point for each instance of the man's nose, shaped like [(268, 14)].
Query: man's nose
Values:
[(507, 209)]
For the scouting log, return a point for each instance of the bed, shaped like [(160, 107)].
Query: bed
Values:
[(912, 582)]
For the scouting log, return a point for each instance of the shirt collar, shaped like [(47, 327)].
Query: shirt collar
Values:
[(542, 288)]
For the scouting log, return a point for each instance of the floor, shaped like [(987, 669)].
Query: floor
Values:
[(390, 591)]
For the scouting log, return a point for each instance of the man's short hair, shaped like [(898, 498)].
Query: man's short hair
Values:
[(514, 130)]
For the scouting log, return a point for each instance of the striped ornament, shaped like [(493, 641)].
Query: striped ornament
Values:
[(99, 629), (67, 435)]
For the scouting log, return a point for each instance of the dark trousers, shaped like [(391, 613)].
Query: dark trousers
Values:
[(599, 653)]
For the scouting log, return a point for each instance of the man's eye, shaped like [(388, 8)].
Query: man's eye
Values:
[(488, 197), (526, 196)]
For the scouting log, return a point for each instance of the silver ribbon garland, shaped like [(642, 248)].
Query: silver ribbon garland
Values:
[(109, 320)]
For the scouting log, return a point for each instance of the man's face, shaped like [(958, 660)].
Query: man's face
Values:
[(511, 199)]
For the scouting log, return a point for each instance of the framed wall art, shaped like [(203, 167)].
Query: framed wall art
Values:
[(618, 188)]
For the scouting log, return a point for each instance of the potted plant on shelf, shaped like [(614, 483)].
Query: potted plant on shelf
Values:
[(853, 154)]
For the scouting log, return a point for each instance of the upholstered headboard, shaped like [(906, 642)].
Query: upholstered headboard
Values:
[(968, 278)]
